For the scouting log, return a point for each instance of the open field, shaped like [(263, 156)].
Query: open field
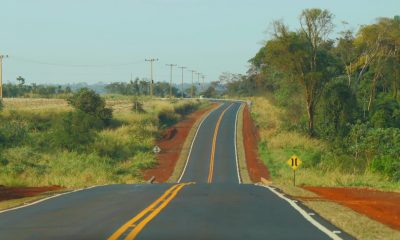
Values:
[(115, 154)]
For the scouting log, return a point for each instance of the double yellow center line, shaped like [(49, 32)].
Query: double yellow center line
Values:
[(133, 227), (214, 143)]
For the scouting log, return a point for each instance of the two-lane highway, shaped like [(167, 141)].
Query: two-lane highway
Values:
[(207, 203)]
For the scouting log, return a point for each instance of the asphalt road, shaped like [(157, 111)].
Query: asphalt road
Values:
[(207, 203)]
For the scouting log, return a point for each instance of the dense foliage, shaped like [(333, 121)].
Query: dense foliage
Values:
[(344, 90)]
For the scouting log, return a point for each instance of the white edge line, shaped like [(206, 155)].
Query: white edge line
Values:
[(194, 139), (304, 214), (236, 153), (47, 198)]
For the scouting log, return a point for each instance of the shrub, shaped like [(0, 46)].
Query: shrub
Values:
[(167, 118), (75, 131), (1, 105), (12, 133), (137, 106), (386, 113), (388, 165), (186, 108)]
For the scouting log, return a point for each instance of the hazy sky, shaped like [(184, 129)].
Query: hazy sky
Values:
[(99, 36)]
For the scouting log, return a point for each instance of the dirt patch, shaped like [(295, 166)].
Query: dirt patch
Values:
[(381, 206), (255, 166), (7, 193), (171, 144)]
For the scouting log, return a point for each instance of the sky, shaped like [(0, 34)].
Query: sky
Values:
[(71, 41)]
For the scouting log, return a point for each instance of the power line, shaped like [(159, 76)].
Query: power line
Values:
[(73, 65)]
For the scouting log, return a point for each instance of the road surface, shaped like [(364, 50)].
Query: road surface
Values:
[(208, 202)]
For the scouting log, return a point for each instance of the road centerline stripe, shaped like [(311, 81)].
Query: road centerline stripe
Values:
[(214, 142), (137, 223)]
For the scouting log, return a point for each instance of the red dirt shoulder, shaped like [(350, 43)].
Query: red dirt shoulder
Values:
[(381, 206), (255, 166)]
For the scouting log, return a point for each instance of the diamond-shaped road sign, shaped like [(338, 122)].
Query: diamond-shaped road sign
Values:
[(294, 162), (156, 149)]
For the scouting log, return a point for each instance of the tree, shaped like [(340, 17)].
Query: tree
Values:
[(304, 56)]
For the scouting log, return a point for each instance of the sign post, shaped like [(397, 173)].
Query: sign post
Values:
[(294, 162)]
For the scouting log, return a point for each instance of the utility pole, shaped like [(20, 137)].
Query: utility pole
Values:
[(151, 60), (191, 89), (198, 81), (1, 74), (170, 79), (182, 81), (202, 85)]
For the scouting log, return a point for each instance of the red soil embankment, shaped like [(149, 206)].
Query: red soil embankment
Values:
[(381, 206), (7, 193), (255, 166), (171, 143)]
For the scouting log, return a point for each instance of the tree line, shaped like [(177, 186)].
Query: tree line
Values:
[(343, 89)]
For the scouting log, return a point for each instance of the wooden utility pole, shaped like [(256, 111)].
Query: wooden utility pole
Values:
[(191, 89), (1, 74), (202, 84), (151, 60), (182, 81), (170, 79)]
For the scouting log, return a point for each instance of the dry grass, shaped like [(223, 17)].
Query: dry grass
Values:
[(35, 104)]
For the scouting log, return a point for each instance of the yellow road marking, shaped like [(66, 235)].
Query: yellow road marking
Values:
[(153, 208), (211, 171)]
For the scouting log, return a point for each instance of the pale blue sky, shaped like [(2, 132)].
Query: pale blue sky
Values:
[(210, 36)]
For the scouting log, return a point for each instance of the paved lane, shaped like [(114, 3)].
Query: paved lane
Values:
[(90, 214), (229, 211)]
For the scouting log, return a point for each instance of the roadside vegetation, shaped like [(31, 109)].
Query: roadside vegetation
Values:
[(333, 102), (84, 140)]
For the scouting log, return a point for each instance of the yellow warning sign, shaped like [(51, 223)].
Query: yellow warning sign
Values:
[(294, 162)]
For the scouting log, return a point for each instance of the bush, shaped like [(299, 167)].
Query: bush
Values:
[(137, 106), (1, 105), (386, 113), (75, 131), (89, 102), (388, 165), (186, 108), (167, 118), (12, 133)]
